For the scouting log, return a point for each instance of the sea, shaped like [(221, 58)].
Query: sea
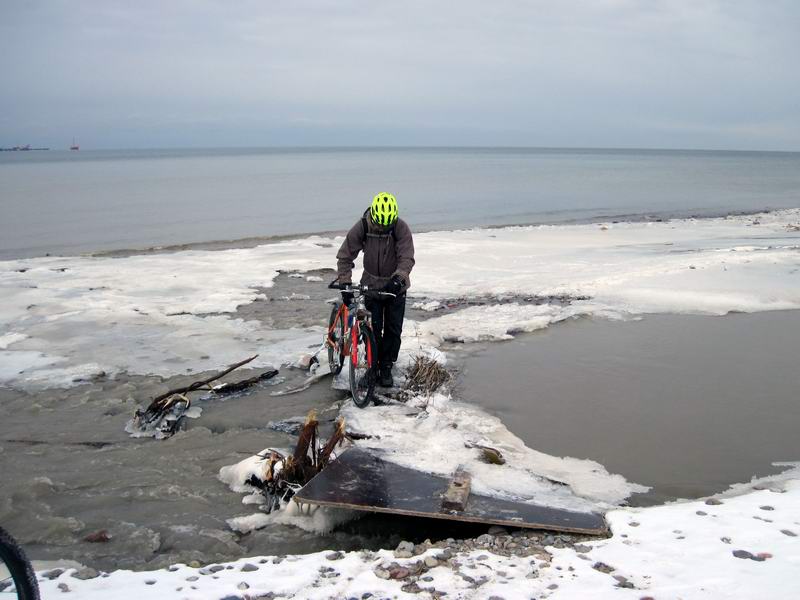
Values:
[(68, 203)]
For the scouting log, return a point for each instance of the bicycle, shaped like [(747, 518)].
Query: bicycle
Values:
[(16, 573), (350, 335)]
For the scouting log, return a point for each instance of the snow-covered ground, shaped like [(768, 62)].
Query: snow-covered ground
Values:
[(742, 544), (63, 320)]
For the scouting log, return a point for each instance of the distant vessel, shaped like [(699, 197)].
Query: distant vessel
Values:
[(74, 145)]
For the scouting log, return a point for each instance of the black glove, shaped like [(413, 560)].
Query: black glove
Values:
[(337, 285), (347, 297), (395, 285)]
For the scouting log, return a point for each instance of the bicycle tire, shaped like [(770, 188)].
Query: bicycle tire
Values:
[(335, 331), (362, 374), (19, 574)]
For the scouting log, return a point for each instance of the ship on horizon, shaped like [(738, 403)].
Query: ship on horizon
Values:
[(74, 146)]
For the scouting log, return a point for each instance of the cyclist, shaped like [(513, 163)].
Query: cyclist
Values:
[(388, 249)]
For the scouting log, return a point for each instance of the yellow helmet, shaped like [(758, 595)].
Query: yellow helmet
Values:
[(384, 209)]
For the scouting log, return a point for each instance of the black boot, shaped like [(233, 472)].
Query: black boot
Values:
[(385, 376)]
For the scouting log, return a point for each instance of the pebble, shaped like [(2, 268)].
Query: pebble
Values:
[(767, 507), (194, 564), (192, 578), (404, 550), (248, 567), (149, 581), (623, 582), (552, 586), (63, 587), (243, 586), (55, 573), (788, 532), (634, 523), (497, 530), (701, 513), (725, 540), (431, 562), (381, 573), (745, 554), (603, 567), (85, 573), (713, 502), (216, 568)]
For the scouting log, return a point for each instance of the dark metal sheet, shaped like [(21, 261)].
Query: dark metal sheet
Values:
[(362, 481)]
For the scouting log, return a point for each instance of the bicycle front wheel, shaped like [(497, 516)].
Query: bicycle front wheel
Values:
[(17, 579), (363, 361), (335, 340)]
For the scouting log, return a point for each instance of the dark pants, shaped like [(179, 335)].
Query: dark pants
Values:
[(387, 324)]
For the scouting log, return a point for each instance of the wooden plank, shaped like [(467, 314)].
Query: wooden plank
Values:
[(457, 493), (360, 480)]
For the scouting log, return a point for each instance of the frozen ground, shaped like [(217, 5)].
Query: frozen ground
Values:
[(66, 320), (741, 544)]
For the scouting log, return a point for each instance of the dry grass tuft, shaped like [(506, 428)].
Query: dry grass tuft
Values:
[(425, 376)]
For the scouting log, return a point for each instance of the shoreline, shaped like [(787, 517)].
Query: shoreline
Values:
[(252, 242)]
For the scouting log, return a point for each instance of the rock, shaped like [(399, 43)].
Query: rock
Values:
[(713, 502), (194, 564), (192, 578), (398, 572), (634, 523), (532, 575), (335, 555), (277, 560), (411, 588), (216, 568), (173, 568), (725, 540), (149, 581), (63, 587), (788, 532), (582, 548), (766, 507), (404, 550), (552, 586), (54, 574), (431, 562), (745, 554), (248, 567), (623, 582), (98, 537), (243, 586), (497, 530), (381, 573), (603, 567), (485, 539), (85, 573), (366, 595), (701, 513)]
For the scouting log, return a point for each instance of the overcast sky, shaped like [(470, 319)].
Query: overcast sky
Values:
[(607, 73)]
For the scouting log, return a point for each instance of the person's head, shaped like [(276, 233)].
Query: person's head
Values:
[(383, 210)]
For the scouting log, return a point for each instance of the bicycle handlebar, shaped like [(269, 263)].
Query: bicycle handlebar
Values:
[(363, 289)]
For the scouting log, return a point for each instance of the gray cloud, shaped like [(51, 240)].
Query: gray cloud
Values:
[(713, 74)]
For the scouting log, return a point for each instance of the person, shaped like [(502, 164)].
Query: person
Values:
[(388, 248)]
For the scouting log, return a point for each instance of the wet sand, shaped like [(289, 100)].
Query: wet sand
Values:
[(685, 404)]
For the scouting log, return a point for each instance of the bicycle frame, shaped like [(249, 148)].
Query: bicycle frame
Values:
[(353, 321)]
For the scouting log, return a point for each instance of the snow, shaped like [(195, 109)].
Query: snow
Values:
[(680, 550), (445, 434), (66, 318)]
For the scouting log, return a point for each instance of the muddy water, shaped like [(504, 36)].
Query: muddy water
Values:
[(685, 404), (67, 468)]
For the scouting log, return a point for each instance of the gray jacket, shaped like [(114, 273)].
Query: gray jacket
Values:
[(387, 251)]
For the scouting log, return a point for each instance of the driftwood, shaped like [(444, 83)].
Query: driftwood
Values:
[(284, 475), (166, 412), (201, 384)]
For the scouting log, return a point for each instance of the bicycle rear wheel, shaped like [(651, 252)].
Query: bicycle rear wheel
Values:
[(335, 341), (363, 359), (17, 579)]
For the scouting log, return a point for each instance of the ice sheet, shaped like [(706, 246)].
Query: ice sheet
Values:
[(169, 313)]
